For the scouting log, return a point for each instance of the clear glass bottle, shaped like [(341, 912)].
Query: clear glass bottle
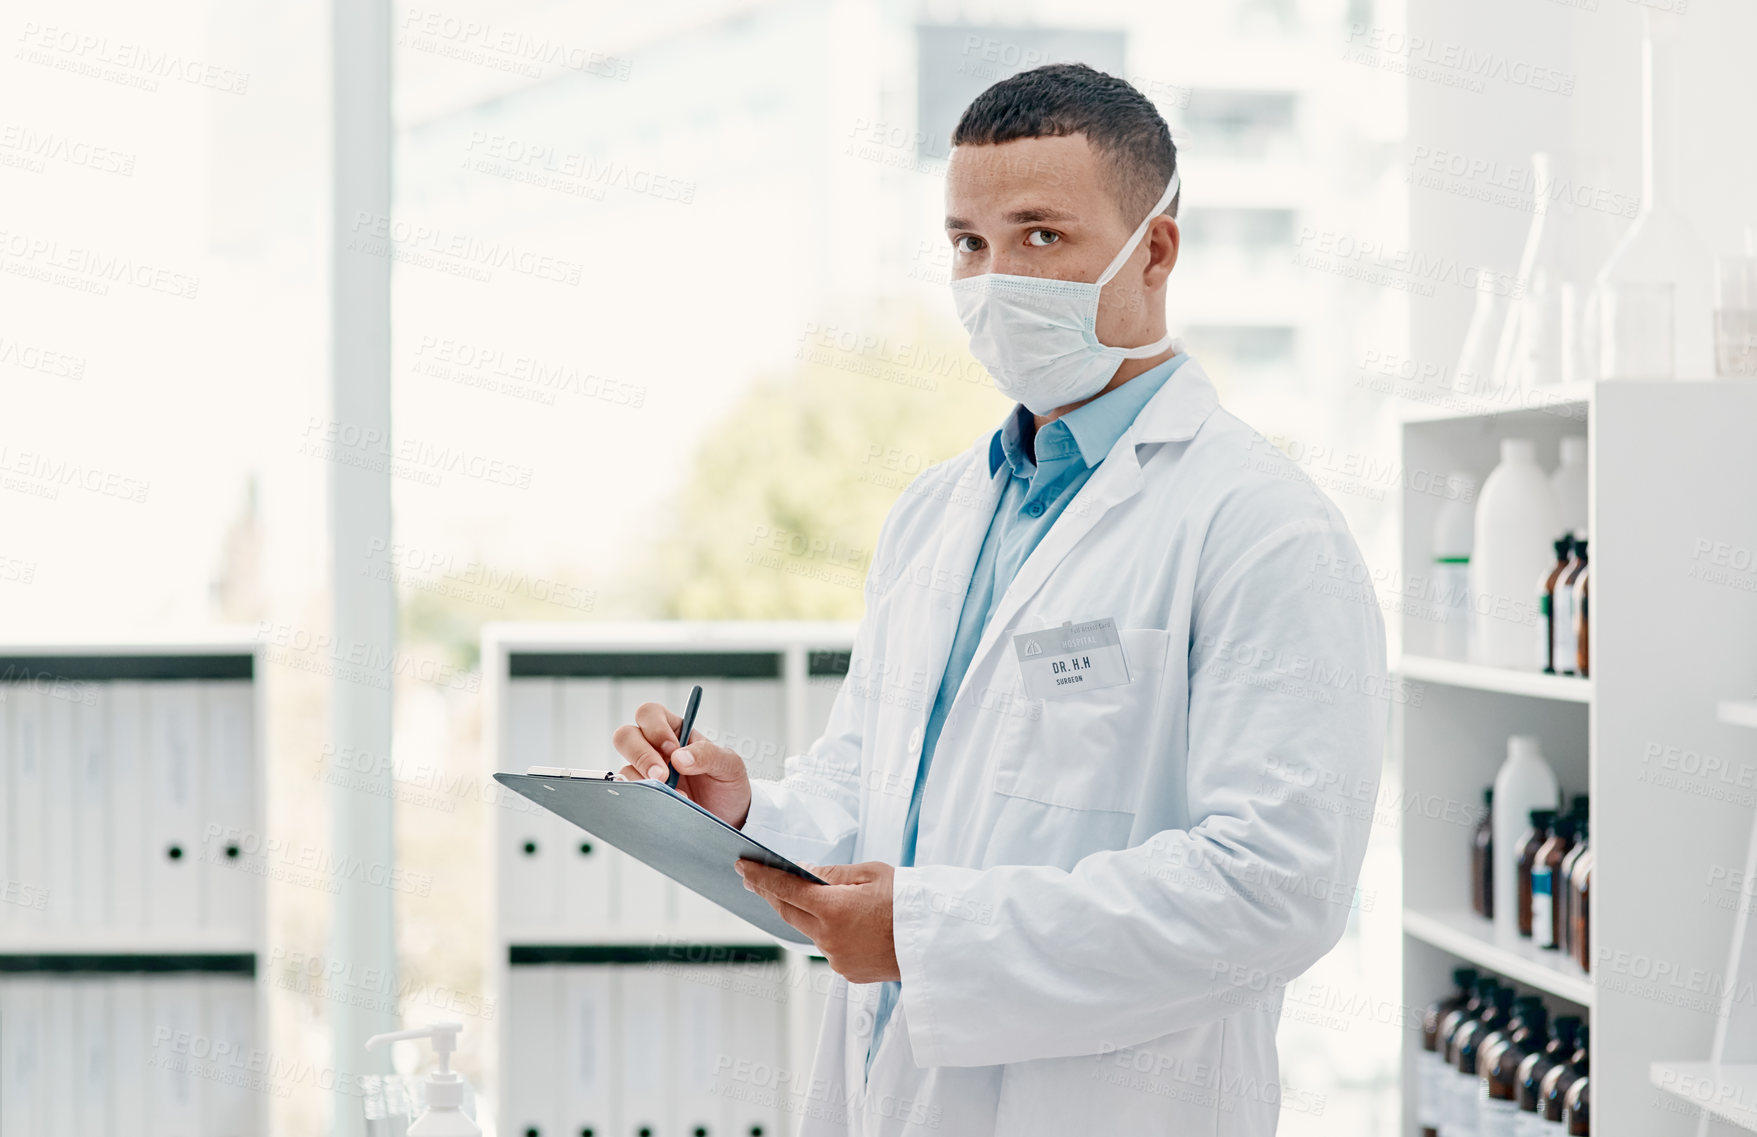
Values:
[(1540, 319), (1660, 250)]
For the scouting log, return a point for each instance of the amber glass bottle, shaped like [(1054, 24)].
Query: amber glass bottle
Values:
[(1562, 1077), (1482, 860), (1468, 1044), (1498, 1082), (1564, 884), (1577, 1109), (1583, 615), (1430, 1064), (1581, 910), (1564, 1033), (1546, 876), (1541, 822)]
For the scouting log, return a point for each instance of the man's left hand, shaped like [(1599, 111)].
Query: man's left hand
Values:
[(849, 919)]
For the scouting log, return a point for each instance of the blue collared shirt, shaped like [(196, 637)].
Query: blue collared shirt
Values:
[(1063, 455)]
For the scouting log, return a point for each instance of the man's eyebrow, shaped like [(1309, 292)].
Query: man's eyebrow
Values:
[(1020, 217)]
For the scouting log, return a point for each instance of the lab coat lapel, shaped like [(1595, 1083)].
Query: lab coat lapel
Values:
[(970, 504), (1117, 479), (1174, 414)]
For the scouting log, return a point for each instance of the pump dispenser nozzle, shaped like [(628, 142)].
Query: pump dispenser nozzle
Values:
[(445, 1090)]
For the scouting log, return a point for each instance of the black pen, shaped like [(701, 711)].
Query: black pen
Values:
[(689, 710)]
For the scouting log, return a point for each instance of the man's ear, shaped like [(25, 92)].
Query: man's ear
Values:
[(1162, 240)]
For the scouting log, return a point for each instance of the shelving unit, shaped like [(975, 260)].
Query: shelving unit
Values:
[(1738, 712), (1725, 1092), (1462, 933), (132, 800), (1671, 472), (1475, 677), (555, 692)]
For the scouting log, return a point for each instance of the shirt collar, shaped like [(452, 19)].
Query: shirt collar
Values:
[(1095, 426)]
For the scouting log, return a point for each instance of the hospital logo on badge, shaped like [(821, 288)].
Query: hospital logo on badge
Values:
[(1055, 662)]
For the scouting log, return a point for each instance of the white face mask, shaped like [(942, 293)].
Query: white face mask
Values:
[(1038, 337)]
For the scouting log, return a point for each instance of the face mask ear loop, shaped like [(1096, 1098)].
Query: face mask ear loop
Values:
[(1140, 230)]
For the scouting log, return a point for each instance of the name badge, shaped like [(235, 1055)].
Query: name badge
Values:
[(1071, 658)]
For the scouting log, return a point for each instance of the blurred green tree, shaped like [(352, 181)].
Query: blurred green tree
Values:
[(782, 506)]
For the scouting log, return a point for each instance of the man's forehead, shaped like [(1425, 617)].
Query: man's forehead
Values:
[(1058, 161)]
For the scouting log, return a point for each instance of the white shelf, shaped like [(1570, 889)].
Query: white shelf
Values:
[(1532, 684), (124, 943), (1728, 1092), (1738, 712), (1565, 400), (1472, 938)]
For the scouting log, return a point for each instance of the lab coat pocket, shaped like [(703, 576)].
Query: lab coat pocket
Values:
[(1090, 750)]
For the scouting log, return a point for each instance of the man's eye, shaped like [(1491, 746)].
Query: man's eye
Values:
[(1042, 237), (967, 243)]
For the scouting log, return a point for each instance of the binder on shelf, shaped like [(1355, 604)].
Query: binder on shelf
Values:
[(13, 895), (58, 836), (756, 712), (129, 848), (227, 837), (175, 1101), (643, 896), (92, 807), (231, 1024), (702, 1042), (131, 1053), (29, 864), (173, 802), (586, 724), (532, 1079), (758, 1016), (532, 839), (60, 1054), (648, 1053), (589, 1052), (94, 1060), (22, 1082)]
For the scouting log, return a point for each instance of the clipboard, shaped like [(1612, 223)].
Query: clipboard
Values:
[(658, 826)]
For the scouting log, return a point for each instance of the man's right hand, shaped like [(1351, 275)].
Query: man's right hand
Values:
[(707, 773)]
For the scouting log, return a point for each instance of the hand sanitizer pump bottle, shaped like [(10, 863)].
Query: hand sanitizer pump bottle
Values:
[(444, 1116)]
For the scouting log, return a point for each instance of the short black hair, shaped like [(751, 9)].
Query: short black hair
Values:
[(1072, 98)]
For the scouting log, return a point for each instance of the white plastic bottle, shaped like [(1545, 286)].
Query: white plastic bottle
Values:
[(444, 1116), (1568, 483), (1515, 525), (1525, 782), (1454, 536)]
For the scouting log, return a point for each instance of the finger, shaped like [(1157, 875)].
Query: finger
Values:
[(659, 725), (779, 884), (630, 774), (844, 874), (706, 759), (631, 742)]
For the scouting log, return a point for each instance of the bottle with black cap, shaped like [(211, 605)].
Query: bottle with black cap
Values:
[(1564, 1033), (1430, 1065), (1468, 1044), (1498, 1061), (1562, 1077)]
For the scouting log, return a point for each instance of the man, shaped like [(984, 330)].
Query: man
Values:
[(1100, 778)]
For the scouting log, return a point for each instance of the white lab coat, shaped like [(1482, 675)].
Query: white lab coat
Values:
[(1112, 887)]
